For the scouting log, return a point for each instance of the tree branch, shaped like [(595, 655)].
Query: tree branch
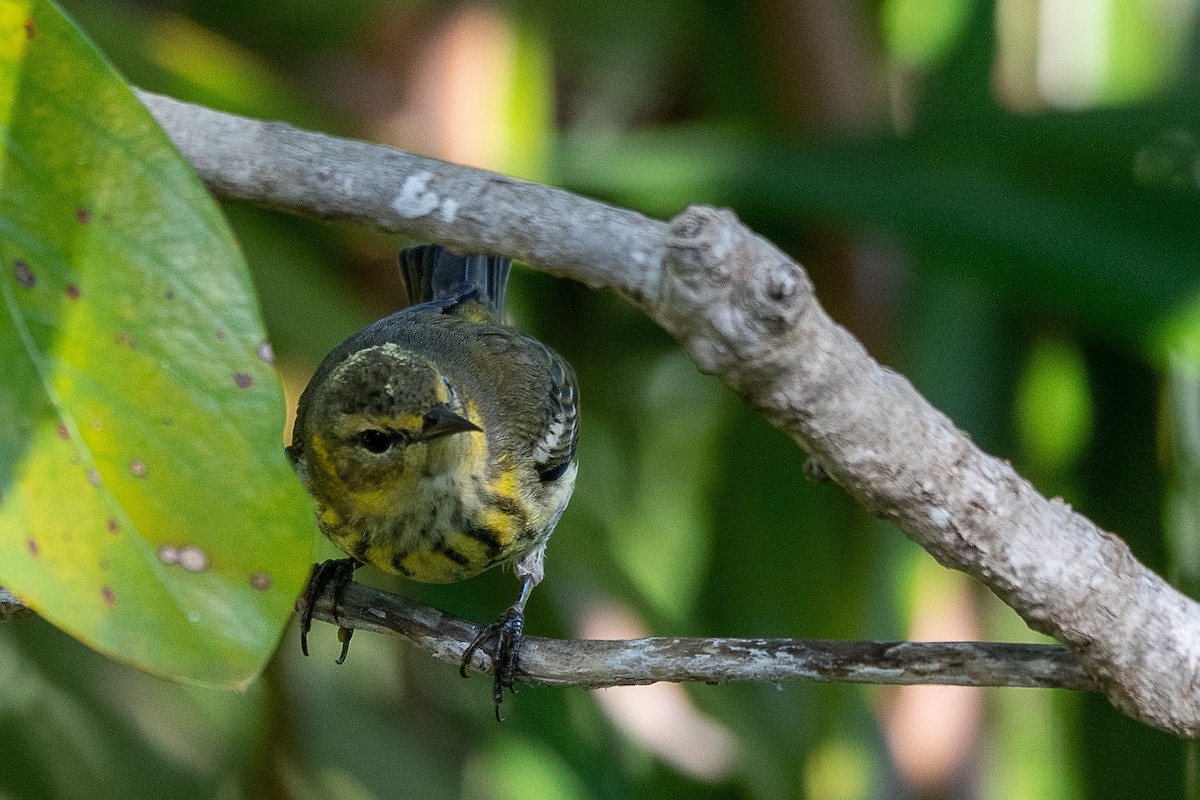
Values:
[(595, 664), (11, 607), (747, 312)]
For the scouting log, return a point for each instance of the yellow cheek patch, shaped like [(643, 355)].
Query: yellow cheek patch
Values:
[(378, 500), (319, 446), (327, 487)]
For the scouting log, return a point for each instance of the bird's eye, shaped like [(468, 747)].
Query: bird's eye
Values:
[(374, 441)]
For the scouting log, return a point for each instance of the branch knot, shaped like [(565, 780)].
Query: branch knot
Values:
[(700, 241), (727, 292)]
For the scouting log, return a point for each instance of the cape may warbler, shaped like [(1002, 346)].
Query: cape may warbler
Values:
[(439, 442)]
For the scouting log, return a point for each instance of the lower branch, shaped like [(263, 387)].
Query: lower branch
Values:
[(595, 664), (11, 607)]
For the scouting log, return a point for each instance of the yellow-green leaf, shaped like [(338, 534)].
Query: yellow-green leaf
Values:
[(146, 505)]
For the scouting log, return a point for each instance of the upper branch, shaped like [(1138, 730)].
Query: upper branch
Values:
[(469, 210), (747, 312)]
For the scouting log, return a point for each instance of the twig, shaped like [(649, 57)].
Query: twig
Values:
[(11, 607), (747, 312), (594, 664)]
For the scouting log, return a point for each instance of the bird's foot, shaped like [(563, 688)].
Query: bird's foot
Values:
[(506, 635), (336, 573)]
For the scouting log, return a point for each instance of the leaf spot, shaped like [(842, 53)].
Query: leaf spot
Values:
[(123, 339), (72, 291), (110, 597), (33, 548), (137, 468), (97, 424), (170, 295), (93, 477), (260, 580), (30, 29), (266, 353), (113, 526), (242, 380), (83, 216), (24, 274), (193, 559), (190, 557), (220, 334), (62, 432)]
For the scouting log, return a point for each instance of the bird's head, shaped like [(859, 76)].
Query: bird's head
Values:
[(378, 421)]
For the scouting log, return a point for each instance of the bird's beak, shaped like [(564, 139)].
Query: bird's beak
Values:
[(442, 421)]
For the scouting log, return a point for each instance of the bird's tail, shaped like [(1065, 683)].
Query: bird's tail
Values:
[(465, 285)]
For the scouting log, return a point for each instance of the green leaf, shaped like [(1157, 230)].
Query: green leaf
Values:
[(146, 505)]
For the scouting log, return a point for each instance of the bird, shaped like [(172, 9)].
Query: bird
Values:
[(439, 442)]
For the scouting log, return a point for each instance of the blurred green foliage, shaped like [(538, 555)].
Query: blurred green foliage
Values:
[(1004, 208)]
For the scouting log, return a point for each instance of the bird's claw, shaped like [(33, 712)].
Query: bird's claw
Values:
[(335, 572), (506, 634)]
